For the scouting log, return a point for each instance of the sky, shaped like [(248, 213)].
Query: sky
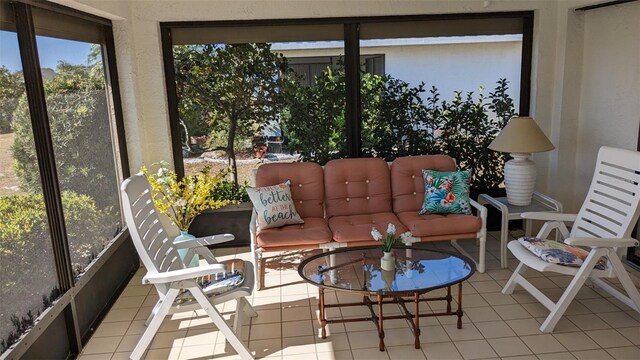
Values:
[(50, 51)]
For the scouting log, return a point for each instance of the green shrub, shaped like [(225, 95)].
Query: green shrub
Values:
[(398, 121), (468, 125), (227, 190), (314, 120), (26, 254), (24, 233), (395, 122)]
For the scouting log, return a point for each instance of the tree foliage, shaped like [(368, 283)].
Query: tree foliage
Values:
[(468, 125), (26, 254), (315, 118), (11, 88), (397, 120), (80, 130), (235, 88)]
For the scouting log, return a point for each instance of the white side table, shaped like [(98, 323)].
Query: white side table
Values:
[(539, 202)]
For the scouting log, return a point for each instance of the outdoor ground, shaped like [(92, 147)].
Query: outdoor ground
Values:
[(9, 182), (246, 164)]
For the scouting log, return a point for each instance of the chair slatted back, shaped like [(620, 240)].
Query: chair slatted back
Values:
[(149, 236), (612, 205)]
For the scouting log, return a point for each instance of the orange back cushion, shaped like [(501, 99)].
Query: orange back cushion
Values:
[(307, 184), (357, 186)]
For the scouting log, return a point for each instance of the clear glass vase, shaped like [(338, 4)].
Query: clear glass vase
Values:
[(184, 235)]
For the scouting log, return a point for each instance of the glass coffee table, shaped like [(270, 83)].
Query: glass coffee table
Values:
[(417, 271)]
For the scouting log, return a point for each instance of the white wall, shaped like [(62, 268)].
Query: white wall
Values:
[(610, 91), (455, 67), (556, 68)]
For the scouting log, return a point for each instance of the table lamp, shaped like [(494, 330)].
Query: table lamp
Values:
[(520, 138)]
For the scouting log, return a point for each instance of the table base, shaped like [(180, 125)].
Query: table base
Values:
[(403, 301)]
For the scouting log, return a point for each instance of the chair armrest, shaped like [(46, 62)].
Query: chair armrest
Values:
[(183, 274), (549, 216), (602, 242), (204, 241)]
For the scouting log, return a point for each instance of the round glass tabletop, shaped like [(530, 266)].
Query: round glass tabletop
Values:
[(359, 269)]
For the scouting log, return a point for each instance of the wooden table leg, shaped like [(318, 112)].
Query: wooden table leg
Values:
[(416, 321), (459, 312), (449, 298), (380, 324), (323, 319)]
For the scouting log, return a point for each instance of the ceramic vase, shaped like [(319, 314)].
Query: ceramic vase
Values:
[(184, 235), (388, 261)]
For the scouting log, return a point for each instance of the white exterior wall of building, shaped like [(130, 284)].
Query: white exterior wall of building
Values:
[(449, 66), (454, 67), (568, 113)]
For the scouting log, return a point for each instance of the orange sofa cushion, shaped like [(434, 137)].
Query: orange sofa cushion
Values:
[(354, 228), (436, 224), (407, 186), (357, 186), (307, 184), (314, 231)]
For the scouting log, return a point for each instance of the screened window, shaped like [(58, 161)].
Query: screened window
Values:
[(245, 97)]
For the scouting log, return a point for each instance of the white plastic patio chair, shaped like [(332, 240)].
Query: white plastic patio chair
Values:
[(604, 224), (175, 283)]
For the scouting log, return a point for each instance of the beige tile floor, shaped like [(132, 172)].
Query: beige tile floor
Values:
[(595, 326)]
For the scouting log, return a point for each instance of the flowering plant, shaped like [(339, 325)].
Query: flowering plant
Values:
[(182, 200), (390, 238)]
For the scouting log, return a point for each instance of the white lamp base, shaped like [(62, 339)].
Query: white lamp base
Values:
[(520, 179)]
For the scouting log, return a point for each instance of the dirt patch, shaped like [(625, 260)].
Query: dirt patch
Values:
[(246, 165), (9, 182)]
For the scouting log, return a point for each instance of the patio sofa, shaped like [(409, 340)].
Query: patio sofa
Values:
[(341, 202)]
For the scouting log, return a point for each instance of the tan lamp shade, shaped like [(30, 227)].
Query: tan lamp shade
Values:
[(521, 135)]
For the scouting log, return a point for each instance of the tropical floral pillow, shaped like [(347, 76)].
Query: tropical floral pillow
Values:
[(274, 205), (559, 253), (446, 192)]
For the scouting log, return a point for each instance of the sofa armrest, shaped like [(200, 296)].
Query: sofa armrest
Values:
[(482, 212)]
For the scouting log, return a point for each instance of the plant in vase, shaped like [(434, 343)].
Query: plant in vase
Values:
[(182, 200), (387, 262)]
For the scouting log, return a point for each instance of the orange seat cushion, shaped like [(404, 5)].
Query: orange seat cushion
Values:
[(439, 224), (314, 231), (353, 228)]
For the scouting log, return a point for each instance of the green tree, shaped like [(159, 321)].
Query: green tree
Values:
[(11, 88), (79, 122), (235, 88)]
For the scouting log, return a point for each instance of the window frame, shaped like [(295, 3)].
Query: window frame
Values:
[(352, 64), (68, 285)]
